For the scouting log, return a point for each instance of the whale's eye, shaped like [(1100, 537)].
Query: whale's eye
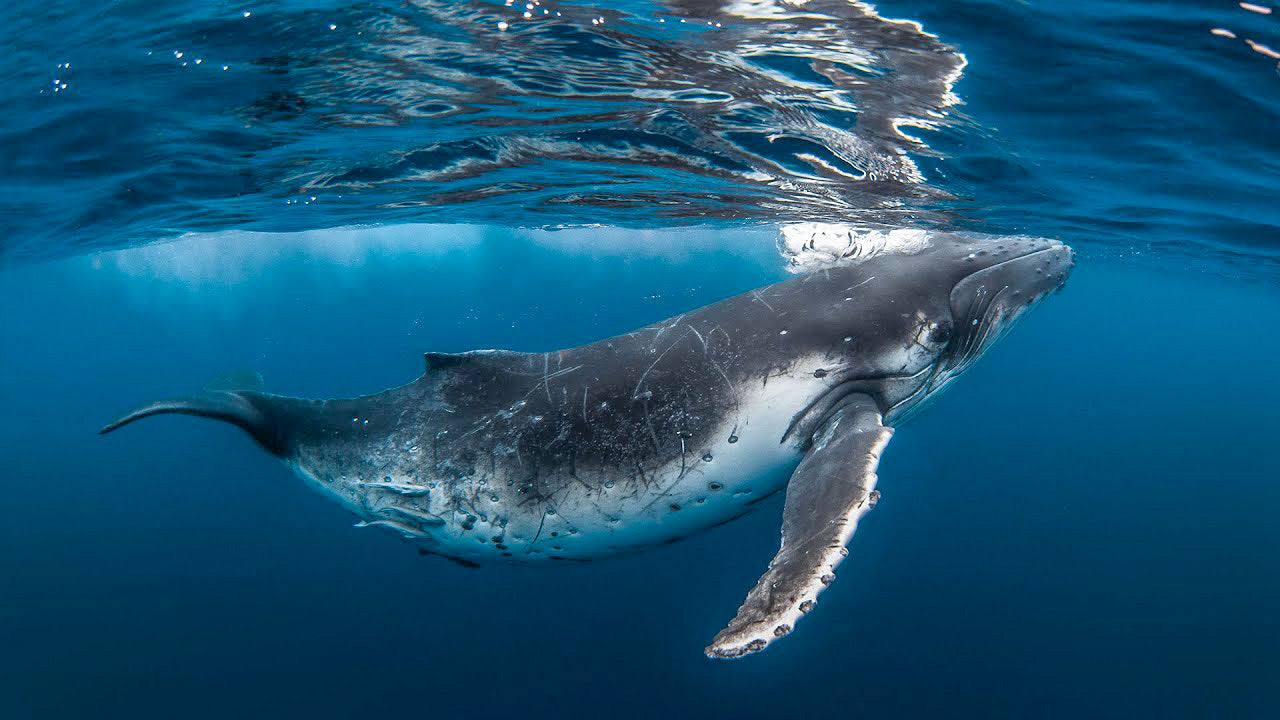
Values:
[(941, 333)]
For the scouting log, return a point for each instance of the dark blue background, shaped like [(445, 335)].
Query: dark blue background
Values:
[(1083, 526)]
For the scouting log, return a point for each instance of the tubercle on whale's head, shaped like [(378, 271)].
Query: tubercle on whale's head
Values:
[(912, 322)]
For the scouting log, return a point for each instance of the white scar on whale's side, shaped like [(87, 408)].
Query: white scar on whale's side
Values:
[(651, 436)]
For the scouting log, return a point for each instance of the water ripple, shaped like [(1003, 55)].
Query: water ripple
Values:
[(289, 116)]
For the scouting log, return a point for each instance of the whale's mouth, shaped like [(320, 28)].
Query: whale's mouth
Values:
[(982, 324), (986, 304)]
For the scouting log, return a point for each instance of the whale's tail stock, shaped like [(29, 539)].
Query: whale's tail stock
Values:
[(236, 398)]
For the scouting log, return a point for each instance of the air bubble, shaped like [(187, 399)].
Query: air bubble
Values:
[(706, 457)]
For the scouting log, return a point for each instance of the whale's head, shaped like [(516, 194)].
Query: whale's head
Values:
[(908, 324), (993, 287)]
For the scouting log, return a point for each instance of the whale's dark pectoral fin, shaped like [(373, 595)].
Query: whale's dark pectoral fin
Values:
[(832, 488)]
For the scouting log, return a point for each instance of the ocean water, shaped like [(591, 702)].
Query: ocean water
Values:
[(1084, 525)]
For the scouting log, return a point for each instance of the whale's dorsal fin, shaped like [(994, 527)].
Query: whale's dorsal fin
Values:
[(832, 488), (440, 361), (437, 361)]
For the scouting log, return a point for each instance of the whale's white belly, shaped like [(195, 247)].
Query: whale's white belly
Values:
[(709, 484)]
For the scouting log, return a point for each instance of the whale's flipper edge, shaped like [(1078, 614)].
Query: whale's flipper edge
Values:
[(230, 398), (831, 489)]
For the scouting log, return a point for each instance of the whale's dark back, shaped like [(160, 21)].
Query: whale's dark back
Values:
[(627, 404)]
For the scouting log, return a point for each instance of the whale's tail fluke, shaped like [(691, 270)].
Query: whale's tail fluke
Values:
[(235, 398)]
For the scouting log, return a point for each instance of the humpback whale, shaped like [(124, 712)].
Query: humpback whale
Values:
[(647, 437)]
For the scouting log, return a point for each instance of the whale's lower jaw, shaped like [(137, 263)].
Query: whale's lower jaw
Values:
[(489, 521)]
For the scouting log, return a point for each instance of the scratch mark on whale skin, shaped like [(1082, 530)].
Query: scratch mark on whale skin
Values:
[(674, 322), (529, 458), (756, 294), (645, 374)]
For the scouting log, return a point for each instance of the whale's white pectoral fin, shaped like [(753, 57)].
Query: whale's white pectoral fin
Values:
[(831, 489)]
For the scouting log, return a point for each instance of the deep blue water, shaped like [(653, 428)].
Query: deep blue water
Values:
[(1083, 526)]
